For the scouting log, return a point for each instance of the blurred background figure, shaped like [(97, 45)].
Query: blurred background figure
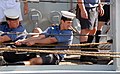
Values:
[(87, 12), (8, 4)]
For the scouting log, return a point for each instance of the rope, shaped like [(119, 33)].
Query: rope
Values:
[(24, 33), (85, 44), (71, 45), (95, 49), (64, 48), (103, 54)]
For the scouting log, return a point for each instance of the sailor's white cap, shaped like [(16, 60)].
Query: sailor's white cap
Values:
[(11, 13), (68, 14)]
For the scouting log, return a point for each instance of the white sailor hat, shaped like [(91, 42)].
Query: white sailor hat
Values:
[(67, 14), (11, 13)]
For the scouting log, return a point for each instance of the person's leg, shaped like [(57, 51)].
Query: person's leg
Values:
[(93, 18), (91, 35), (99, 30), (44, 59), (34, 61), (82, 37), (92, 59), (102, 20), (89, 58), (85, 25), (93, 14)]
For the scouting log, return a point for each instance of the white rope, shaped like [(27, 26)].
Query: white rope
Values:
[(25, 33)]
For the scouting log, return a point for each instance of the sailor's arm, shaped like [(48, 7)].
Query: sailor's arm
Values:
[(82, 9), (30, 40), (25, 8), (48, 40), (4, 38), (44, 41)]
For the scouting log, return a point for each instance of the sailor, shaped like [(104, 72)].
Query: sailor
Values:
[(49, 37), (12, 25)]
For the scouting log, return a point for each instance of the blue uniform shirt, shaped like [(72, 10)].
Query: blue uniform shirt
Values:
[(91, 3), (4, 27), (63, 37)]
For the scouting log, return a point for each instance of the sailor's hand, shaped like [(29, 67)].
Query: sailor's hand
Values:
[(20, 42), (101, 10), (30, 43)]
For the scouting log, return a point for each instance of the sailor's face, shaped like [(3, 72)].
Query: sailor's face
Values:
[(13, 23), (67, 24)]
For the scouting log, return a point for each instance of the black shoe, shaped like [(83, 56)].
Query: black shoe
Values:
[(95, 46), (110, 41), (92, 59)]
